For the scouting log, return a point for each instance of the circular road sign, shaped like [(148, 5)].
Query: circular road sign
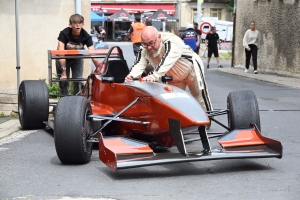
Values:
[(205, 27)]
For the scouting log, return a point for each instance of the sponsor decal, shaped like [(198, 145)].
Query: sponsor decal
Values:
[(162, 15), (175, 95), (74, 46), (84, 140), (122, 14)]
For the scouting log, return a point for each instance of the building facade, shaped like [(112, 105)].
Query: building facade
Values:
[(41, 21), (39, 25), (279, 24), (187, 10), (184, 10)]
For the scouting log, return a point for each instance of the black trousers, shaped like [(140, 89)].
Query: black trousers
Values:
[(76, 65), (253, 52)]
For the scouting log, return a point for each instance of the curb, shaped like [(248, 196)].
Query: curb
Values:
[(9, 127)]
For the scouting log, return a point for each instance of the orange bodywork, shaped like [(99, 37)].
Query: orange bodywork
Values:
[(148, 108), (249, 137), (101, 109), (112, 148), (118, 146), (87, 52)]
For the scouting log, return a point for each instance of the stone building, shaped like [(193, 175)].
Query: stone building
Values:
[(279, 24)]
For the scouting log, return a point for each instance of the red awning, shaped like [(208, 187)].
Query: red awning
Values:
[(133, 8)]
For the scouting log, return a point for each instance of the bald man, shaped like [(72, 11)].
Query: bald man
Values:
[(169, 56)]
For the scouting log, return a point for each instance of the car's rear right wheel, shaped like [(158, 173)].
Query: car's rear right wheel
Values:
[(33, 104)]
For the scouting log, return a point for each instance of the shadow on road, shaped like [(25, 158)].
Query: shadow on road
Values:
[(186, 169)]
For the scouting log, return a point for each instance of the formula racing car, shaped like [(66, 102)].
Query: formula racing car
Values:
[(131, 121)]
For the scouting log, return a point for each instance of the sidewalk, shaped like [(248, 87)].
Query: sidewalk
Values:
[(272, 78), (9, 125)]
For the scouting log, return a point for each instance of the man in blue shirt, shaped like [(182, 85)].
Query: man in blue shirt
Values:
[(190, 37)]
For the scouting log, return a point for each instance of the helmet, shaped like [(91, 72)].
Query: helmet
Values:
[(189, 25)]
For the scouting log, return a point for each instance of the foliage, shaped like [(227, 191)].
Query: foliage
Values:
[(2, 115), (14, 114), (231, 6), (54, 89)]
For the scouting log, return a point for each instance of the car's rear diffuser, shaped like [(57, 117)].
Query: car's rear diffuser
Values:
[(121, 153)]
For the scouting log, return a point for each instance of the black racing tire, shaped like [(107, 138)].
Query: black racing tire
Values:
[(243, 109), (72, 129), (33, 104)]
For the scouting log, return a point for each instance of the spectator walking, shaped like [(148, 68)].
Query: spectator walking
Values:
[(251, 43), (73, 37), (169, 56), (211, 41), (190, 36), (101, 35), (198, 36), (135, 32)]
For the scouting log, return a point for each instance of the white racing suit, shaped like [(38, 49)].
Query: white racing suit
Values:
[(174, 58)]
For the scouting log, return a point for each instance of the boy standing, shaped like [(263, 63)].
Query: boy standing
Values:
[(73, 37)]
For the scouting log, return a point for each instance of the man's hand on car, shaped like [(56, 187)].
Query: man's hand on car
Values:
[(148, 78), (128, 78)]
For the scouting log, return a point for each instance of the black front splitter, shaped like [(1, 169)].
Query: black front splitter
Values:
[(218, 154)]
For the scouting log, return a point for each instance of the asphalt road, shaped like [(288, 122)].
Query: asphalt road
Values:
[(30, 169)]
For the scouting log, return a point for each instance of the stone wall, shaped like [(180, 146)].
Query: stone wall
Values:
[(39, 23), (278, 21)]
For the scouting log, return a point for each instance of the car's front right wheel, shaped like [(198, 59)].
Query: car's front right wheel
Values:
[(72, 128)]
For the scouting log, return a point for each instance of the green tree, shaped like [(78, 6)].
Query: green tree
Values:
[(231, 6)]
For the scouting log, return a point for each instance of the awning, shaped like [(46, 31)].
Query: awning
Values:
[(133, 8), (96, 18), (121, 16)]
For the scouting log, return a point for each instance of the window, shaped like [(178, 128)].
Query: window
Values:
[(194, 14), (216, 12)]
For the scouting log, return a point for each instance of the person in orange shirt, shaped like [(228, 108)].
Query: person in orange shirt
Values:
[(135, 32)]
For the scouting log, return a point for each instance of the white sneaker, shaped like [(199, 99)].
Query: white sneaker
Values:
[(255, 72), (246, 70)]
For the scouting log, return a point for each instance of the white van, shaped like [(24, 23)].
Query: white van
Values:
[(224, 28)]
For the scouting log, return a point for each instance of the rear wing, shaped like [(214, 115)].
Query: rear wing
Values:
[(76, 54)]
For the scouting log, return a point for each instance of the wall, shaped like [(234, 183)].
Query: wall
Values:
[(39, 24), (279, 24)]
